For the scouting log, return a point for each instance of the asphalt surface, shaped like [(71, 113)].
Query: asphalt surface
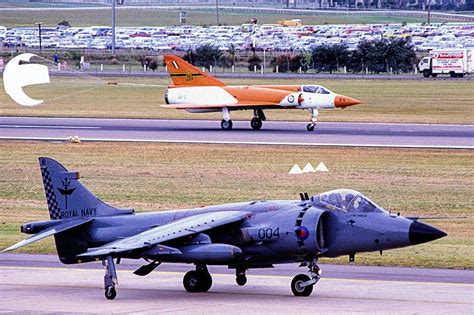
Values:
[(206, 131), (267, 75), (40, 284)]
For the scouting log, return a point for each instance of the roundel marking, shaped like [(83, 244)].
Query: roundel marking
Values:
[(302, 233), (291, 98)]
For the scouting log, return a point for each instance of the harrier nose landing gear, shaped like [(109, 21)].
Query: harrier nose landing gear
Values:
[(314, 119), (198, 280), (110, 278), (302, 285)]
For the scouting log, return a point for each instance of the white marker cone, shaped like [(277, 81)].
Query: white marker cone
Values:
[(295, 170), (308, 168), (321, 167)]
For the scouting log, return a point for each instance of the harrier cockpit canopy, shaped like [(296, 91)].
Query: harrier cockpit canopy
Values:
[(346, 200)]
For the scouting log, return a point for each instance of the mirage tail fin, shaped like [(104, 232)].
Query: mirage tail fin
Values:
[(185, 74), (67, 198)]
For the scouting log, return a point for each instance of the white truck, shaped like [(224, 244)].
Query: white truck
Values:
[(455, 62)]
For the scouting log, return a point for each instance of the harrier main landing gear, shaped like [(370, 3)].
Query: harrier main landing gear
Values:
[(198, 280), (314, 119), (226, 122), (257, 120), (302, 285), (110, 278)]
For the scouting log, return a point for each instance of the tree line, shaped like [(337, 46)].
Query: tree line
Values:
[(395, 55)]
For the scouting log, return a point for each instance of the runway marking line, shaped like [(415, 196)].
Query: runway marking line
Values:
[(351, 145), (48, 127), (253, 276)]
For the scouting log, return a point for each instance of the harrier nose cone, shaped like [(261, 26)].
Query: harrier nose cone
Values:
[(344, 101), (422, 233)]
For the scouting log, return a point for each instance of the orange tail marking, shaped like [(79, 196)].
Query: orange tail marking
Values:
[(185, 74)]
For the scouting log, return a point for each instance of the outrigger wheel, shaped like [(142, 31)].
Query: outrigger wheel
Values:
[(110, 278)]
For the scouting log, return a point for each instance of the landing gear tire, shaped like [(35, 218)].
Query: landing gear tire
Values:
[(206, 282), (226, 124), (256, 123), (297, 285), (241, 280), (310, 127), (195, 281), (110, 293)]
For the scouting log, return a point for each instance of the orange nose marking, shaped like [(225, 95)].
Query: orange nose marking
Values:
[(344, 101)]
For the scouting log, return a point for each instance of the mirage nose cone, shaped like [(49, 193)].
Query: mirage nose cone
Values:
[(422, 233), (344, 101)]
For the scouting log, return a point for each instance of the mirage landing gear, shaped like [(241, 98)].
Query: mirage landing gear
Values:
[(314, 118), (256, 122), (226, 122), (110, 278), (302, 285), (258, 119), (198, 280)]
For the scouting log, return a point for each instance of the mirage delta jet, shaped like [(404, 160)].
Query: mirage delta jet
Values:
[(198, 92)]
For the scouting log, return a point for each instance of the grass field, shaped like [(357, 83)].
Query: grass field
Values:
[(163, 176), (417, 101), (158, 17)]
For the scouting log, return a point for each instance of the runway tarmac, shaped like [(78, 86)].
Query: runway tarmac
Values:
[(40, 284), (209, 131)]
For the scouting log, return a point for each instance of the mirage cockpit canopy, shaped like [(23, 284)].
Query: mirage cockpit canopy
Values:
[(346, 200), (317, 89)]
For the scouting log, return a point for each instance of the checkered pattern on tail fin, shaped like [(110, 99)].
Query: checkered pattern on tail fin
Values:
[(53, 207)]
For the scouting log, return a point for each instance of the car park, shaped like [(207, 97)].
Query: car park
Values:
[(266, 37)]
